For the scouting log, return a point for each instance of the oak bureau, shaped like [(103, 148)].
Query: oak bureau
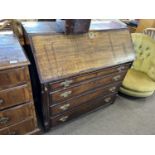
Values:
[(17, 112), (75, 74)]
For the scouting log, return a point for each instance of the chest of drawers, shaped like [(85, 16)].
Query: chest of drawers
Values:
[(17, 112), (76, 73)]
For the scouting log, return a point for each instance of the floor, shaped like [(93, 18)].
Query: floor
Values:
[(127, 116)]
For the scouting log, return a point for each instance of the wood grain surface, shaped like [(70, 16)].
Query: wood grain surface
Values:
[(11, 53), (77, 73), (21, 128), (15, 115), (14, 77), (16, 100), (74, 80), (14, 96), (58, 96), (83, 98), (81, 109), (59, 56)]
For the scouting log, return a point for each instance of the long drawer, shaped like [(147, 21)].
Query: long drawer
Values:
[(15, 96), (73, 80), (59, 96), (84, 98), (15, 115), (20, 128), (86, 107), (13, 77)]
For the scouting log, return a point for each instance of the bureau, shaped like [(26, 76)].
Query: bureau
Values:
[(17, 112), (75, 74)]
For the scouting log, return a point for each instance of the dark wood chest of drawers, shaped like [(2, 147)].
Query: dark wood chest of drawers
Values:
[(76, 73), (17, 112)]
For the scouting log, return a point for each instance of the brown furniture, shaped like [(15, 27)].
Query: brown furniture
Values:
[(17, 112), (77, 73), (145, 23), (76, 26)]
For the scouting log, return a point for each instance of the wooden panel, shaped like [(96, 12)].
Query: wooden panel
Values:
[(86, 107), (59, 56), (15, 96), (65, 83), (15, 88), (13, 77), (21, 128), (4, 131), (11, 53), (15, 115), (85, 86), (84, 98), (75, 26), (145, 23)]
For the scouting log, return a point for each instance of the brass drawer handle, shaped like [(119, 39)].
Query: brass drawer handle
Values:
[(65, 107), (63, 119), (91, 35), (4, 120), (66, 94), (121, 68), (116, 78), (107, 99), (112, 89), (66, 83), (1, 101)]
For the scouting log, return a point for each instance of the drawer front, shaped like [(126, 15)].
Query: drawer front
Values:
[(12, 77), (85, 86), (84, 98), (4, 131), (81, 110), (62, 84), (21, 128), (15, 96), (15, 115)]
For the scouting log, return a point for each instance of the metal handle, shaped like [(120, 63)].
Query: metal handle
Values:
[(112, 89), (107, 99), (66, 83), (120, 68), (1, 101), (66, 94), (4, 120), (63, 119), (116, 78), (91, 35), (65, 107)]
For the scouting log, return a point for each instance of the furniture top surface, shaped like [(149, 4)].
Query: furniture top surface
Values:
[(106, 24), (60, 56), (43, 27), (11, 52), (58, 27)]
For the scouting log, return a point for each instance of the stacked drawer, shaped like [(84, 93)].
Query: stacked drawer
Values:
[(74, 96), (17, 113)]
